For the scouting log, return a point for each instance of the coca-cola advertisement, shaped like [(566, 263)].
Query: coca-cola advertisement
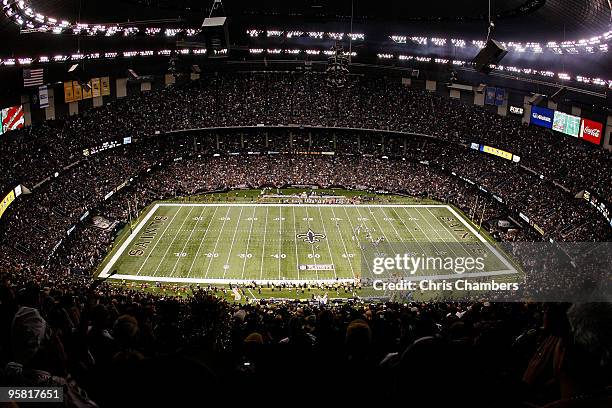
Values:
[(591, 131)]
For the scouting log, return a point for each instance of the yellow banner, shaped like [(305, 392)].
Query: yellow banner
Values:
[(105, 86), (6, 201), (78, 93), (87, 90), (537, 228), (68, 92), (497, 152), (95, 87)]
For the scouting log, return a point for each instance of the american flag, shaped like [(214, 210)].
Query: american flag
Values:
[(33, 77), (11, 118)]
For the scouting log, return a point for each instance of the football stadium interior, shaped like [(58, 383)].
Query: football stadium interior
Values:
[(228, 201)]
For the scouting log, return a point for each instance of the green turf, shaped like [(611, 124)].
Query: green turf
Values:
[(232, 238)]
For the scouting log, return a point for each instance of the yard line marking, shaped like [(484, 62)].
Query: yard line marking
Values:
[(297, 258), (212, 218), (263, 248), (172, 242), (423, 252), (178, 258), (433, 229), (348, 217), (311, 245), (343, 245), (377, 223), (327, 241), (232, 244), (280, 238), (158, 240), (214, 251), (398, 235), (420, 229), (248, 242)]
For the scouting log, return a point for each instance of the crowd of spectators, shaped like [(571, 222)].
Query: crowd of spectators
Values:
[(61, 327), (250, 99)]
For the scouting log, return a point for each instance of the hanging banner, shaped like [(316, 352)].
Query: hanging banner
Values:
[(77, 90), (95, 87), (68, 92), (87, 90), (500, 95), (105, 86), (43, 97), (490, 95)]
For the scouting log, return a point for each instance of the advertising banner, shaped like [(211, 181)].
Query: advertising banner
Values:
[(11, 119), (496, 152), (542, 116), (6, 201), (516, 110), (591, 131)]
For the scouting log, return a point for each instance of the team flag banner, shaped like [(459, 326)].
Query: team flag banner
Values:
[(95, 87), (495, 96), (33, 77), (73, 91), (591, 131), (490, 95), (87, 90), (11, 118), (68, 92), (43, 97), (105, 86), (77, 90)]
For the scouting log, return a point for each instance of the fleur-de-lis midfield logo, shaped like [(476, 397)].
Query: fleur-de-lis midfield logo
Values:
[(311, 237)]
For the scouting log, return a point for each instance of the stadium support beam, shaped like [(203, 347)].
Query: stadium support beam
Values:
[(526, 109), (121, 84), (430, 85), (607, 143), (455, 93), (73, 108), (169, 79), (27, 110), (502, 109), (97, 101)]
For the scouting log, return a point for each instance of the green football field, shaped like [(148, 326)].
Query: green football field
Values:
[(222, 243)]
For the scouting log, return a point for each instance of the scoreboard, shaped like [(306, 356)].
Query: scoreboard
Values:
[(567, 124)]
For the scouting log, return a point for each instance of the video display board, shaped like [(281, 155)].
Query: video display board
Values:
[(566, 124)]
